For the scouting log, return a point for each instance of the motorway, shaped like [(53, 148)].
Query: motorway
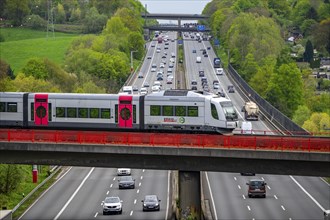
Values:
[(79, 192)]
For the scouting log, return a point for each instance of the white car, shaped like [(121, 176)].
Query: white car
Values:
[(219, 71), (112, 204), (143, 91), (216, 86), (123, 171), (155, 89)]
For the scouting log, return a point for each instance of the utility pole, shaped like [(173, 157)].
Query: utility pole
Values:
[(50, 19)]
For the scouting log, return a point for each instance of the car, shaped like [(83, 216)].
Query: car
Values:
[(155, 89), (164, 56), (171, 65), (149, 57), (216, 85), (143, 91), (154, 65), (112, 204), (172, 40), (201, 73), (256, 187), (209, 48), (126, 182), (193, 82), (161, 65), (135, 88), (165, 53), (146, 84), (153, 70), (163, 61), (160, 78), (231, 89), (158, 51), (159, 74), (194, 51), (140, 75), (151, 203), (157, 83), (172, 60), (153, 45), (169, 70), (169, 81), (219, 71), (221, 93), (193, 87), (205, 55), (123, 171)]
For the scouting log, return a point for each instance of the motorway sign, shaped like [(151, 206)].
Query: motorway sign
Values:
[(180, 42), (201, 27)]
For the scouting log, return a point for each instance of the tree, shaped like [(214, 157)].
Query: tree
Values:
[(94, 22), (301, 115), (36, 67), (321, 36), (285, 89), (35, 22), (16, 10), (309, 52), (60, 14), (10, 177)]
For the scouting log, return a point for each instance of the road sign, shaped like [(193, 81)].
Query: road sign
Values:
[(201, 27), (180, 42), (216, 42)]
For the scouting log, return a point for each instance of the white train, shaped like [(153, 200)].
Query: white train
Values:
[(169, 110)]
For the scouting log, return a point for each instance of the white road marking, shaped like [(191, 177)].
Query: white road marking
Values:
[(114, 178), (268, 187), (239, 186), (243, 196), (74, 194), (44, 193), (131, 213), (108, 192), (138, 191), (290, 218), (212, 200), (283, 208), (141, 177), (262, 178), (168, 194), (235, 178), (96, 214), (324, 181), (310, 196), (134, 201), (249, 208), (111, 185), (275, 197), (143, 170), (140, 184)]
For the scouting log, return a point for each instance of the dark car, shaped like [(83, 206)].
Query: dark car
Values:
[(193, 87), (206, 55), (257, 187), (221, 93), (151, 203), (126, 182), (231, 89), (159, 78)]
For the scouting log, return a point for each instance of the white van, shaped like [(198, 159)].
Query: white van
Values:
[(198, 59), (128, 89)]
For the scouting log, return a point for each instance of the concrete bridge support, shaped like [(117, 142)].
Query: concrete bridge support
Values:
[(190, 194)]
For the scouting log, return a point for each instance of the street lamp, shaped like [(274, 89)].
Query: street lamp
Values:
[(132, 59)]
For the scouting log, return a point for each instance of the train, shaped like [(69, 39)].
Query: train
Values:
[(167, 110)]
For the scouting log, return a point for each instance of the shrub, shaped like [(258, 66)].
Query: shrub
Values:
[(35, 22)]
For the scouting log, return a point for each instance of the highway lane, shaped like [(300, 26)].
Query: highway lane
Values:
[(285, 198)]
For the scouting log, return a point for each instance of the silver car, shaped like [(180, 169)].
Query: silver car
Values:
[(112, 204)]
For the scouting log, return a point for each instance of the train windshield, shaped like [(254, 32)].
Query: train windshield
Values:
[(229, 110)]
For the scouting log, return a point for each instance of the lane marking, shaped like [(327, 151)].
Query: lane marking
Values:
[(324, 181), (114, 178), (141, 177), (111, 185), (283, 208), (140, 184), (310, 196), (212, 200), (262, 178), (239, 186), (138, 191), (96, 215), (275, 197), (131, 213), (268, 187), (244, 197), (249, 208), (74, 194), (168, 193), (235, 178), (108, 192), (45, 193), (134, 201), (143, 170)]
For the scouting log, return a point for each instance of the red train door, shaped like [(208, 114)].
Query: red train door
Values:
[(41, 109), (125, 110)]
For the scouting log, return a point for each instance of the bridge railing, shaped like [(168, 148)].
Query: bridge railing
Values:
[(251, 142)]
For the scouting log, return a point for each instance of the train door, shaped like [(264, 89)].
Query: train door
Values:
[(125, 110), (41, 109)]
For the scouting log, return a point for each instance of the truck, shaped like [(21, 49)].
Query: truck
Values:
[(160, 39), (216, 62), (251, 111)]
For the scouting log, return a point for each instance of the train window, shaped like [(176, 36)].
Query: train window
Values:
[(71, 112), (180, 110), (49, 111), (116, 113), (94, 112), (214, 111), (105, 113), (167, 110), (2, 107), (134, 113), (155, 110), (82, 112), (60, 112), (192, 111), (11, 107), (32, 111)]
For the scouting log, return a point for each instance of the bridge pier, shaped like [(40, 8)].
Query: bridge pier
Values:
[(190, 194)]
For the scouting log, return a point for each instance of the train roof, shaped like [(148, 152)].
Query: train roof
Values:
[(175, 92)]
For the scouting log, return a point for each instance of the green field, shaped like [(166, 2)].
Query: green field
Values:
[(22, 44)]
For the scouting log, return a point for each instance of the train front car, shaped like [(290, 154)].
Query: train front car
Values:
[(188, 111)]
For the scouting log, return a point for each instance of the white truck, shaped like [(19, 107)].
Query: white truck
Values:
[(251, 111)]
